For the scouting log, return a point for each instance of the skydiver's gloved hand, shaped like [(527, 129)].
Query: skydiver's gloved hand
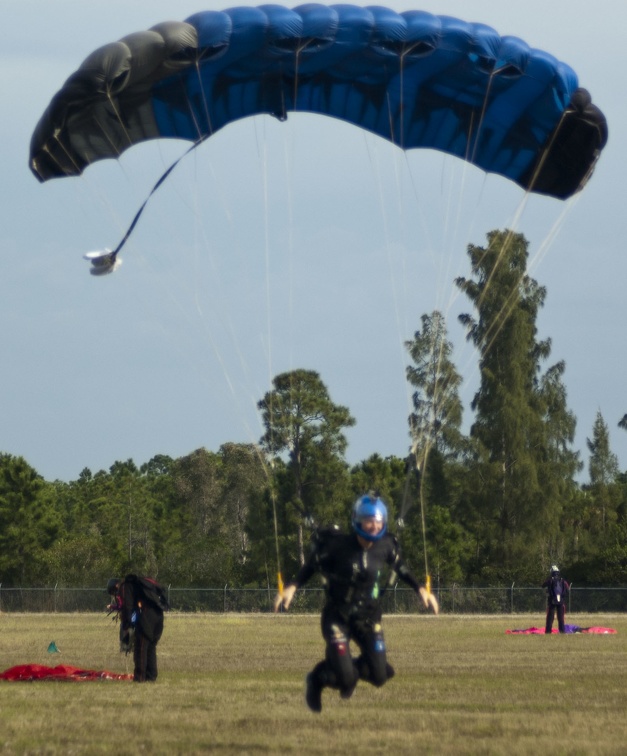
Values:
[(284, 599), (429, 600)]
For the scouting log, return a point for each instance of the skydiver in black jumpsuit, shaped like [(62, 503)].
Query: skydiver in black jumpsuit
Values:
[(139, 604), (353, 567)]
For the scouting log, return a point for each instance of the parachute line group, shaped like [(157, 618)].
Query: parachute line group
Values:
[(414, 79)]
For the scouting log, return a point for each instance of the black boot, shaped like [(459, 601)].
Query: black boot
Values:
[(313, 693), (348, 692)]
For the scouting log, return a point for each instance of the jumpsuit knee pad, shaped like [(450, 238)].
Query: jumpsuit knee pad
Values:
[(377, 663), (340, 664)]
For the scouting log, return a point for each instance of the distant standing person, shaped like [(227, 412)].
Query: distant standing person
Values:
[(139, 603), (556, 590)]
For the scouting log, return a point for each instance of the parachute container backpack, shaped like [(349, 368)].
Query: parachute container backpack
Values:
[(415, 79), (557, 590)]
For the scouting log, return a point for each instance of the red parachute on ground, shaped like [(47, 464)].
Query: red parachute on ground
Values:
[(32, 672)]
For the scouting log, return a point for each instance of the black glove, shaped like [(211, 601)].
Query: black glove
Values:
[(127, 640)]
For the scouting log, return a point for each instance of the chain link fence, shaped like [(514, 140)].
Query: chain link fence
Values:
[(453, 600)]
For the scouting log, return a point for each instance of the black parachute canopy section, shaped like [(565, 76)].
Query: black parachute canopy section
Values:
[(415, 79)]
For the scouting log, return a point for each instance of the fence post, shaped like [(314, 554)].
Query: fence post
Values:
[(570, 593), (224, 604), (511, 603)]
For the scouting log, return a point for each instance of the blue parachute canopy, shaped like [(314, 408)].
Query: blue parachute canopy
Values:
[(413, 78)]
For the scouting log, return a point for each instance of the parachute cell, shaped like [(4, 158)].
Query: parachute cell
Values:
[(415, 79)]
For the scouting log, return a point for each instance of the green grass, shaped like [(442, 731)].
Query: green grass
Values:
[(234, 684)]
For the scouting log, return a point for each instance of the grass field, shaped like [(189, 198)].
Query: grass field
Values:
[(234, 684)]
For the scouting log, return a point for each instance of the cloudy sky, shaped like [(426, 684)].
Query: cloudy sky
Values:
[(306, 244)]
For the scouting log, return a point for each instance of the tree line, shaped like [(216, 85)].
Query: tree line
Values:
[(498, 504)]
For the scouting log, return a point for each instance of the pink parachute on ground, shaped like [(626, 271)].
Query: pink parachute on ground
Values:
[(570, 629), (31, 672)]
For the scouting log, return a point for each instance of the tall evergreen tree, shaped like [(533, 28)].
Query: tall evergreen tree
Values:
[(436, 419), (437, 416), (605, 489), (507, 492), (437, 441), (558, 468)]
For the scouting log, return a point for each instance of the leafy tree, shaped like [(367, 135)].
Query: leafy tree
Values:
[(197, 554), (306, 427), (244, 476), (28, 521), (210, 510)]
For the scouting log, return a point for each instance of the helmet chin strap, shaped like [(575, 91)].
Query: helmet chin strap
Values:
[(371, 537)]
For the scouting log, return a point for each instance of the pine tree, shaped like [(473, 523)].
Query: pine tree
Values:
[(507, 496), (604, 489)]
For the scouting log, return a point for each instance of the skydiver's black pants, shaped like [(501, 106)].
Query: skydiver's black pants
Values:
[(145, 651), (551, 610), (339, 670)]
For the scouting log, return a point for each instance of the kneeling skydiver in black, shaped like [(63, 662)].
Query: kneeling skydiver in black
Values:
[(352, 566)]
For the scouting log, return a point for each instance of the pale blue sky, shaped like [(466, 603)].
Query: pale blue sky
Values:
[(277, 246)]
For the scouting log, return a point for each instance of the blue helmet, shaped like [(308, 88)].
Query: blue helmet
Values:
[(369, 506)]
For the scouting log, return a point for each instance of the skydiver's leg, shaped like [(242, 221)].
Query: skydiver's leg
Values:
[(561, 614), (550, 613), (151, 662), (339, 671), (372, 665), (140, 656)]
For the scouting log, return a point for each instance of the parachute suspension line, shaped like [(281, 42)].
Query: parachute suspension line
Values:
[(120, 121), (289, 184), (423, 440), (522, 205), (421, 464), (264, 162), (545, 153), (201, 138), (65, 152), (204, 102), (475, 141), (471, 150), (401, 112), (387, 234), (280, 584), (501, 316), (421, 449)]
